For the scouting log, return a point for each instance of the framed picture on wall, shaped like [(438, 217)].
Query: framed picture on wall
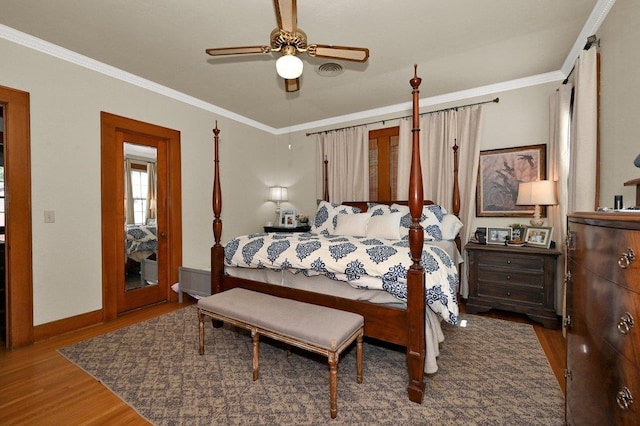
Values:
[(500, 172)]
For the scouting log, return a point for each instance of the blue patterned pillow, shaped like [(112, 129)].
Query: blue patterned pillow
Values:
[(380, 209), (431, 221), (327, 217)]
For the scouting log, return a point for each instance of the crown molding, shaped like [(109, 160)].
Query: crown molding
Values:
[(599, 12), (56, 51)]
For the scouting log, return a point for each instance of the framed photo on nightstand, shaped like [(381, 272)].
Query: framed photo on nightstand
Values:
[(538, 236), (498, 235), (288, 219)]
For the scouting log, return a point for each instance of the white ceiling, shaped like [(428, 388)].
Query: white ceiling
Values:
[(463, 48)]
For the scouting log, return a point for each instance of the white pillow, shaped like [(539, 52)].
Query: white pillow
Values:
[(385, 226), (451, 225), (352, 224), (326, 217)]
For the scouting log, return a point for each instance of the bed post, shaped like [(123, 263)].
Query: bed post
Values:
[(217, 251), (415, 276), (325, 182), (455, 198)]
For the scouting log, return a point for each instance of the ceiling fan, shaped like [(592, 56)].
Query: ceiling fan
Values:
[(290, 40)]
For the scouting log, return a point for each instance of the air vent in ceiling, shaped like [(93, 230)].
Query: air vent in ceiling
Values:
[(329, 69)]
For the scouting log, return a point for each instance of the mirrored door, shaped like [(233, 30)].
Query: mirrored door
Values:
[(144, 166)]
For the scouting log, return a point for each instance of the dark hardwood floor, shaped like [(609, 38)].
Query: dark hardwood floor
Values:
[(38, 386)]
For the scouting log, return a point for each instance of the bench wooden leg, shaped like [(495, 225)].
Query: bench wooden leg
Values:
[(255, 337), (200, 332), (359, 358), (333, 383)]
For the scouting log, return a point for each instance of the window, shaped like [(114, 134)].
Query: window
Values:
[(139, 188), (383, 163)]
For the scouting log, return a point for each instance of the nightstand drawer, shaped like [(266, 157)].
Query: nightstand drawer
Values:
[(511, 277), (507, 293), (512, 261)]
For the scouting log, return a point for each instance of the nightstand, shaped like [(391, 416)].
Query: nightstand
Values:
[(516, 279), (305, 228)]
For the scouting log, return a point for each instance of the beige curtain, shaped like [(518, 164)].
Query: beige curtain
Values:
[(152, 191), (437, 135), (558, 171), (128, 194), (582, 181), (347, 151)]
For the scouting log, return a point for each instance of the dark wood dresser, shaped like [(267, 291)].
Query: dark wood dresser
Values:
[(603, 319), (516, 279)]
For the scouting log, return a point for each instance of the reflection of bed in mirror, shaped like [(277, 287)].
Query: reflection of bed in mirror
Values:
[(141, 245)]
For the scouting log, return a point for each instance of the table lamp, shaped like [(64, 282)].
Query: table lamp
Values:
[(537, 193)]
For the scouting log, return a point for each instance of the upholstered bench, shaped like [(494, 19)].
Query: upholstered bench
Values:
[(318, 329)]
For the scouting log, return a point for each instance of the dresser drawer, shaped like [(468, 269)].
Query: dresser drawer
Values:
[(602, 251), (606, 309), (598, 378)]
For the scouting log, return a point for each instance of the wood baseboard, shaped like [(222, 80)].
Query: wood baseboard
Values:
[(65, 325)]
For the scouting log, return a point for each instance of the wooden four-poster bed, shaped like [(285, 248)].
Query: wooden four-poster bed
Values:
[(403, 324)]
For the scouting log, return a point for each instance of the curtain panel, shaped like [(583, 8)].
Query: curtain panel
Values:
[(583, 181), (347, 152), (438, 133)]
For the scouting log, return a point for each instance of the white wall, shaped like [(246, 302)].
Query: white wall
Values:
[(619, 97), (66, 101)]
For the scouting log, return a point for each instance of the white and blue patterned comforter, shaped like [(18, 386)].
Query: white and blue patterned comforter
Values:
[(363, 262)]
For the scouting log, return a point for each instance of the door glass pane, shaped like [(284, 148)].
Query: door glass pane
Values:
[(141, 232), (373, 169)]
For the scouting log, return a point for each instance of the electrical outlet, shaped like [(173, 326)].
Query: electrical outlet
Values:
[(49, 216)]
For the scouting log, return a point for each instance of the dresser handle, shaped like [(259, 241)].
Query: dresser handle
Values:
[(626, 323), (624, 398), (626, 258)]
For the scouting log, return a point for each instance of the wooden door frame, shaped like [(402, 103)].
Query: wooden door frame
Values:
[(112, 233), (19, 270)]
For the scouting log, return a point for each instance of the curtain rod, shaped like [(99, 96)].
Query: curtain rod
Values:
[(591, 40), (496, 100)]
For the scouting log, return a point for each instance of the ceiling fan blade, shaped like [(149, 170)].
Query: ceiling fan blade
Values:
[(287, 15), (292, 84), (238, 50), (357, 54)]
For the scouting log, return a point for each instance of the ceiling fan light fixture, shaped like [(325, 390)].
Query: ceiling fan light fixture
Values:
[(289, 66)]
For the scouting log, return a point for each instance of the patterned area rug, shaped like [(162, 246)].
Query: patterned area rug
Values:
[(492, 372)]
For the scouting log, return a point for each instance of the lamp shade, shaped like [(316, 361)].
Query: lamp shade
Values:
[(278, 193), (540, 192), (289, 66)]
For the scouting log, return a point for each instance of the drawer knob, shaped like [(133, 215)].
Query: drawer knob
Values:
[(508, 262), (508, 277), (508, 293), (624, 398), (626, 258), (626, 323)]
